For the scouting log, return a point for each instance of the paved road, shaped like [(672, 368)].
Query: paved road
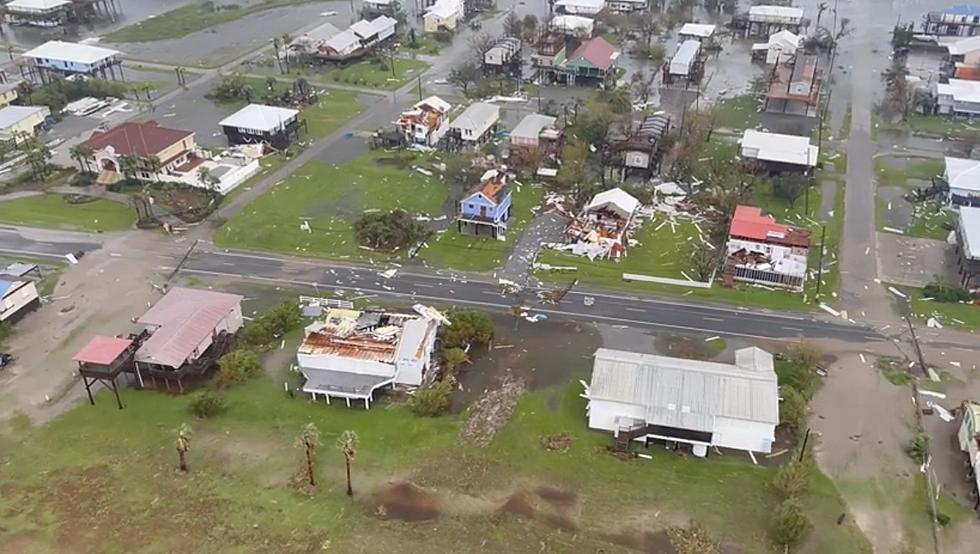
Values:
[(447, 287), (44, 244)]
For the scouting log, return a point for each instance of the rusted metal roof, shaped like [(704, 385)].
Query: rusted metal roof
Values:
[(102, 350), (183, 319)]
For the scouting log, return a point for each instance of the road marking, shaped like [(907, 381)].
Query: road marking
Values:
[(709, 318), (628, 309), (424, 285)]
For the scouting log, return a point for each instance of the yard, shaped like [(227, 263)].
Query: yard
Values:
[(120, 466), (188, 19), (330, 198), (932, 124), (54, 212), (898, 176), (333, 107), (738, 112), (469, 253), (369, 74), (947, 313)]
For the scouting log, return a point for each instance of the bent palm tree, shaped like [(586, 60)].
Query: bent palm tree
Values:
[(347, 443), (309, 439)]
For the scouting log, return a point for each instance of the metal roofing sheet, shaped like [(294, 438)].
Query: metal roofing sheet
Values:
[(259, 117), (687, 393), (184, 318), (102, 350), (775, 147), (85, 54), (531, 126)]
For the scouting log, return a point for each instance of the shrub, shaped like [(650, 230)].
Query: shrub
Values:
[(468, 327), (236, 367), (82, 179), (790, 524), (388, 231), (943, 293), (918, 447), (207, 404), (274, 323), (454, 357), (793, 409), (793, 479), (431, 401), (942, 519)]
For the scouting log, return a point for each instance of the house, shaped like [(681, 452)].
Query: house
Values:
[(350, 354), (258, 123), (763, 21), (696, 31), (593, 61), (640, 150), (643, 398), (958, 97), (794, 88), (968, 437), (20, 122), (962, 178), (102, 359), (503, 57), (426, 123), (187, 331), (377, 7), (8, 93), (686, 65), (627, 6), (475, 125), (537, 131), (310, 42), (38, 13), (171, 147), (968, 247), (778, 153), (355, 42), (781, 47), (600, 230), (549, 55), (579, 7), (956, 21), (759, 250), (485, 209), (444, 15), (17, 298), (576, 26), (71, 58), (966, 50)]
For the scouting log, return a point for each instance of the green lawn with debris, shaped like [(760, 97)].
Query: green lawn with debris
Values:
[(331, 198), (738, 112), (932, 124), (929, 219), (121, 466), (52, 211), (469, 253), (369, 74), (948, 314)]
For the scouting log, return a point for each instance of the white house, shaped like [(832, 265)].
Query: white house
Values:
[(780, 47), (444, 15), (963, 178), (763, 21), (376, 30), (958, 97), (696, 31), (639, 397), (17, 297), (580, 7), (350, 354), (779, 152), (965, 50), (627, 6), (72, 57), (573, 25), (759, 250), (502, 53), (476, 124), (682, 64), (38, 13), (968, 437), (18, 122)]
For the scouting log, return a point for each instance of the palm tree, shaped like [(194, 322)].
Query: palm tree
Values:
[(24, 90), (128, 166), (309, 439), (286, 39), (183, 445), (348, 443), (82, 154), (152, 165)]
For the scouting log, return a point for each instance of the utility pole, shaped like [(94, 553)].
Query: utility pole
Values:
[(823, 235), (420, 88)]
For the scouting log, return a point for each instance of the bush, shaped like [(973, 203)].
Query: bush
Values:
[(388, 231), (793, 409), (452, 358), (793, 479), (943, 293), (431, 401), (274, 323), (82, 179), (236, 367), (918, 447), (207, 404), (790, 524), (468, 327)]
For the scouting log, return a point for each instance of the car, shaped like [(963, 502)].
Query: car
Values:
[(5, 359)]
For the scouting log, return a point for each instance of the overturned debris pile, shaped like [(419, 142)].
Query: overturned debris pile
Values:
[(491, 412)]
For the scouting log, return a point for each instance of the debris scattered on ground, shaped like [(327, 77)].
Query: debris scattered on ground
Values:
[(557, 443), (491, 412)]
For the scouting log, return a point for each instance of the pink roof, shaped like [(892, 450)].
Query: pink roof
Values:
[(598, 51), (748, 222), (102, 350), (184, 318)]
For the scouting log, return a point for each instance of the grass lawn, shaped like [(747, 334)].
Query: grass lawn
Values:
[(913, 167), (268, 164), (949, 314), (185, 20), (933, 124), (121, 465), (929, 220), (738, 112), (469, 253), (425, 44), (333, 108), (53, 212), (369, 74), (331, 198)]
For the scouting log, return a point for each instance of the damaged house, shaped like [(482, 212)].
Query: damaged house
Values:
[(780, 47), (426, 123), (968, 247), (359, 40), (504, 58), (640, 149), (794, 88), (485, 209), (350, 354), (600, 230), (762, 251), (537, 131), (686, 66)]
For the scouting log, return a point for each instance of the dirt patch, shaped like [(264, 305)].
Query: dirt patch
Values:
[(644, 541), (557, 443), (491, 412), (558, 498), (407, 502), (691, 347), (522, 504)]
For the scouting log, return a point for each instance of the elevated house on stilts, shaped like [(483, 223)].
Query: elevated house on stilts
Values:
[(69, 58)]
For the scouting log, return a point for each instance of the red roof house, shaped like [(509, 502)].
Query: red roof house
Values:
[(593, 59), (172, 147), (748, 223)]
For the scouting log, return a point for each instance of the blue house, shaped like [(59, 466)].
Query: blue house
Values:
[(485, 209), (70, 58)]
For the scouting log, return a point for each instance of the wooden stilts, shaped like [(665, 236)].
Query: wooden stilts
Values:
[(115, 390), (88, 389)]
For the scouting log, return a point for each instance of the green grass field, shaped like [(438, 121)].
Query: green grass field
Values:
[(333, 107), (121, 466), (331, 198), (188, 19), (739, 112), (933, 125), (949, 314), (53, 212), (369, 74), (469, 253)]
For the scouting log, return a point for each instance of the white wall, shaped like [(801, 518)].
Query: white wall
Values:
[(603, 413), (743, 435), (409, 370), (15, 301)]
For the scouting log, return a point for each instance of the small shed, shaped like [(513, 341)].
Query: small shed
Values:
[(102, 360), (682, 64), (696, 31)]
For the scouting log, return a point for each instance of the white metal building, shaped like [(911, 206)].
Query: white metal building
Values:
[(775, 148), (16, 298), (683, 61), (963, 177), (476, 122), (958, 97), (697, 31), (642, 396), (573, 25), (580, 7)]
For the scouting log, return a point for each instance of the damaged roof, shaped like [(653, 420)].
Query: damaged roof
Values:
[(749, 223)]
